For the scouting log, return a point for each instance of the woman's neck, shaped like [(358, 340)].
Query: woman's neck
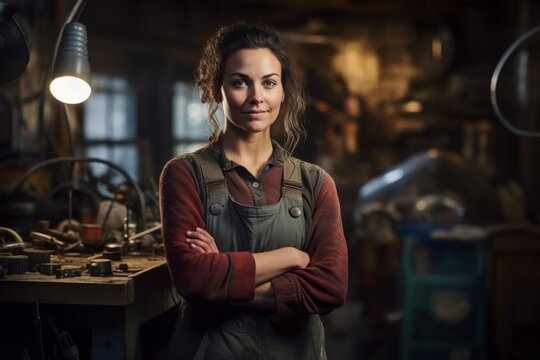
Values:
[(252, 152)]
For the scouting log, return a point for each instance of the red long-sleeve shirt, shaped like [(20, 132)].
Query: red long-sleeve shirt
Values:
[(230, 277)]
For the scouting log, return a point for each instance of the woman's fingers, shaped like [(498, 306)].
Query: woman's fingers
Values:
[(197, 248), (209, 238), (205, 236), (202, 239), (200, 244)]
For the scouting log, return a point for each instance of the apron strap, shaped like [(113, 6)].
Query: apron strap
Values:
[(212, 174), (292, 178)]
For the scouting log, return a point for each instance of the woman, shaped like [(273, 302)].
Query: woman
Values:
[(253, 236)]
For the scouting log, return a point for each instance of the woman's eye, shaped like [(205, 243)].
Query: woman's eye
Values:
[(239, 82), (269, 83)]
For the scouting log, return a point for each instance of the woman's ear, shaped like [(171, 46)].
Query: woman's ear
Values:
[(283, 97)]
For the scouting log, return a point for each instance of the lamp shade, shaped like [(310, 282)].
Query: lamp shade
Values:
[(14, 50), (71, 75)]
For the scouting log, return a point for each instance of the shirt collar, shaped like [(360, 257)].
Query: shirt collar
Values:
[(277, 158)]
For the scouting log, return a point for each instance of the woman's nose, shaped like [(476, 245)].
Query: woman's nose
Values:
[(256, 96), (255, 101)]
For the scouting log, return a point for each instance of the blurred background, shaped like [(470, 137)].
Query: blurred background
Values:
[(440, 200)]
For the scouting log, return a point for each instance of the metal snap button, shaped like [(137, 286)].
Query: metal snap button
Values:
[(295, 211), (256, 184), (216, 209)]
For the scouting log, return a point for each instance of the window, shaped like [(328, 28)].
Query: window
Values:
[(110, 127), (191, 128)]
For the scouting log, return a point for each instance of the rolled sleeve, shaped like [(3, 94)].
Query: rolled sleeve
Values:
[(322, 285)]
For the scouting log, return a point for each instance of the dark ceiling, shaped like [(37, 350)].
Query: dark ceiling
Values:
[(190, 22)]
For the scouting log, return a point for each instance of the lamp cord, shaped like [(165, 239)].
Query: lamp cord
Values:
[(495, 79), (71, 140)]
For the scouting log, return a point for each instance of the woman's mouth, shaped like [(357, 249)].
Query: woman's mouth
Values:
[(255, 111)]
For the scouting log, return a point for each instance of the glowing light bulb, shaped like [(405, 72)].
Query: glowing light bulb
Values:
[(70, 89)]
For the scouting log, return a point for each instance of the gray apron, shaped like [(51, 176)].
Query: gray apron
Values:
[(212, 332)]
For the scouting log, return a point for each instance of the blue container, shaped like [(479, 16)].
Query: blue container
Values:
[(443, 293)]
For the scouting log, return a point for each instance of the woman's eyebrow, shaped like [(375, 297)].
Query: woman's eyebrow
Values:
[(270, 75), (239, 74)]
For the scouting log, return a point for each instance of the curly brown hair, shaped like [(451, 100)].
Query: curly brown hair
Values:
[(209, 75)]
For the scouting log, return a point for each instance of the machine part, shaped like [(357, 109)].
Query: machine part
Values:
[(123, 267), (36, 257), (47, 238), (91, 234), (18, 264), (435, 172), (113, 251), (145, 232), (67, 235), (4, 259), (18, 244), (49, 268), (112, 255), (68, 272), (129, 178), (100, 267)]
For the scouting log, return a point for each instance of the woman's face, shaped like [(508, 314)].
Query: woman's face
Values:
[(252, 90)]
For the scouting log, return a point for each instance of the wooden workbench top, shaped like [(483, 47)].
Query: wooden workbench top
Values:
[(145, 273)]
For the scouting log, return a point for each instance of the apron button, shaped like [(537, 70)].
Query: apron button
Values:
[(216, 209), (295, 211)]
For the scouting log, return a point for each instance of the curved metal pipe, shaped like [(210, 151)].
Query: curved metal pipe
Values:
[(12, 233), (495, 79), (72, 159)]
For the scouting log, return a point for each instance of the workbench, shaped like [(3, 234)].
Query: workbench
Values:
[(113, 307)]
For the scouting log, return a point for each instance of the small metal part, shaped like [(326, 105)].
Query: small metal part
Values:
[(112, 255), (123, 267), (113, 251), (4, 259), (100, 267), (115, 246), (68, 272), (36, 257), (49, 268), (295, 211), (18, 264)]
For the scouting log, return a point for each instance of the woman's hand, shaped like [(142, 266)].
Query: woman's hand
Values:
[(200, 240)]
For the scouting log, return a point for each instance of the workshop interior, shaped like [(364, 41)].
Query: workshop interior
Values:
[(426, 113)]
